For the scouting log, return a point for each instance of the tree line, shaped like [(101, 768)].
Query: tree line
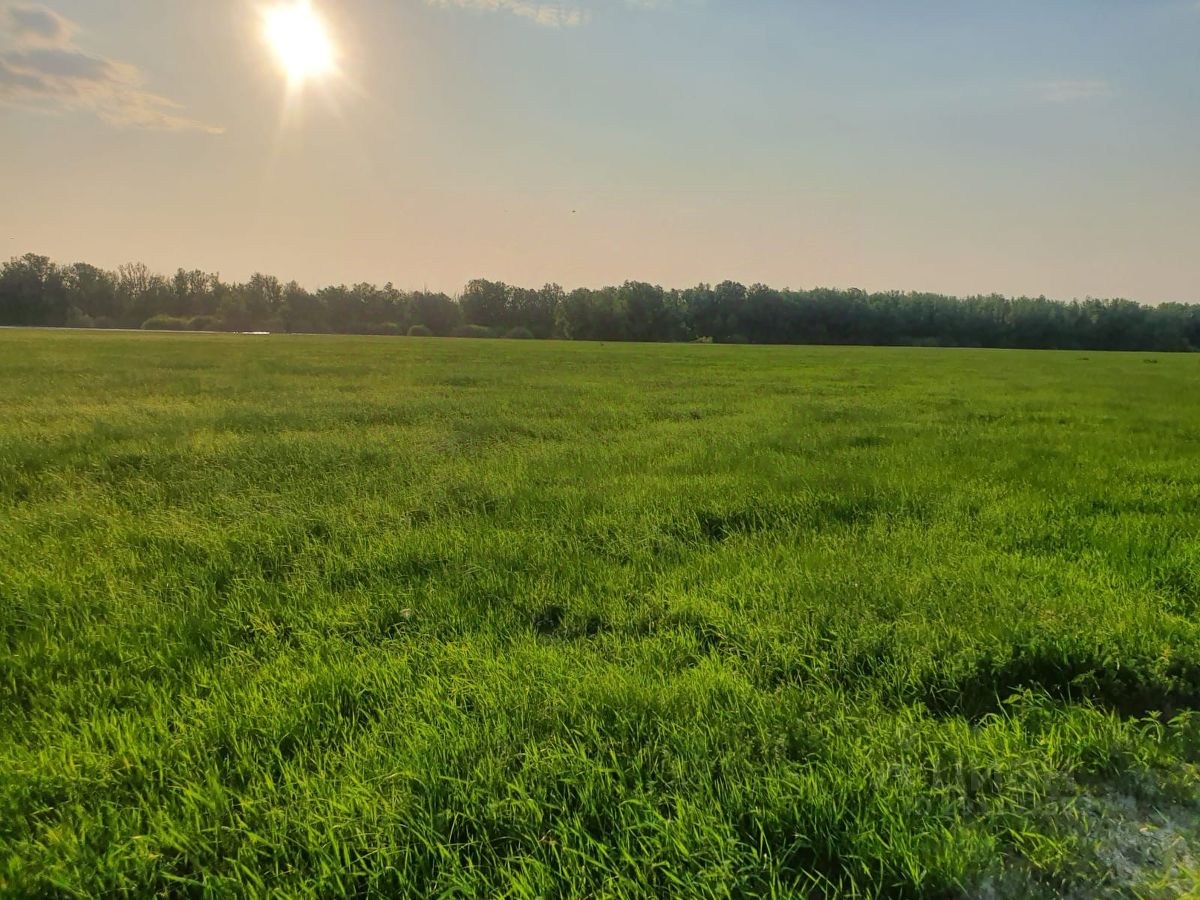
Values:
[(35, 291)]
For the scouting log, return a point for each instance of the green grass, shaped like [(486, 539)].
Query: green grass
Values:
[(314, 616)]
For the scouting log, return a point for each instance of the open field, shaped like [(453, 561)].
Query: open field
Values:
[(317, 615)]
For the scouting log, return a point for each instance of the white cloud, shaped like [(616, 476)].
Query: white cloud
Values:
[(41, 67), (549, 13)]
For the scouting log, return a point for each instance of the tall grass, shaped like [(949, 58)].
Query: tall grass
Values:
[(301, 617)]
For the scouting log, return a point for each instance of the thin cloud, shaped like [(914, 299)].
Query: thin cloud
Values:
[(1073, 91), (548, 13), (37, 25), (41, 67)]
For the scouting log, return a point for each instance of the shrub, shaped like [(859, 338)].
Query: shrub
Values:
[(419, 331), (520, 333), (203, 323), (376, 328), (380, 328), (735, 339), (77, 318), (473, 331), (165, 323)]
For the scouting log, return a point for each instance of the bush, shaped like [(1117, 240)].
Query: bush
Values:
[(735, 339), (930, 342), (473, 331), (419, 331), (203, 323), (165, 323), (380, 329), (376, 328), (77, 318), (520, 333)]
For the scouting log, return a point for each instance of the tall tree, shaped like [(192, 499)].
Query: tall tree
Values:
[(32, 292)]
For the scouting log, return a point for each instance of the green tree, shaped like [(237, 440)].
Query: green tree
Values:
[(485, 303), (33, 291), (93, 291), (437, 312)]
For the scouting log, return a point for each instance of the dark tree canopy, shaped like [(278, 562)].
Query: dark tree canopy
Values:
[(35, 291)]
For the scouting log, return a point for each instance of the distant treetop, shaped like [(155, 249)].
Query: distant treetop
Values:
[(35, 291)]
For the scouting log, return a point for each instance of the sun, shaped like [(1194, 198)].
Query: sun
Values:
[(300, 40)]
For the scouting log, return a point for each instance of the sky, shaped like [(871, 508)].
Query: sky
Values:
[(1018, 146)]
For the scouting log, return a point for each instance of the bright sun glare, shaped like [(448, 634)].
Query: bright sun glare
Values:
[(298, 37)]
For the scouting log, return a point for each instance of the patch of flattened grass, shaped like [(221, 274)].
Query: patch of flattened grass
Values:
[(814, 512), (1130, 681)]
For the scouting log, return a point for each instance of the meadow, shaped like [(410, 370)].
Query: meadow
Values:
[(321, 616)]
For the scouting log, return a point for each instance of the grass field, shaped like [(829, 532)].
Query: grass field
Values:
[(313, 616)]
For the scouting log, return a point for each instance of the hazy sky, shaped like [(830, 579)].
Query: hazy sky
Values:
[(1022, 146)]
